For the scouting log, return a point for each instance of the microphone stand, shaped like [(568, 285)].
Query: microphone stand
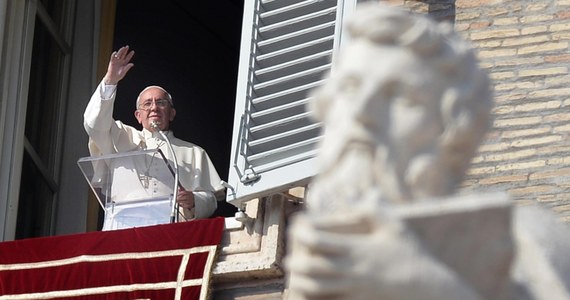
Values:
[(174, 211)]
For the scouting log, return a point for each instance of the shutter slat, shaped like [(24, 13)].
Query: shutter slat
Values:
[(296, 66), (279, 112), (282, 125), (268, 5), (282, 96), (295, 24), (306, 40), (324, 41), (300, 35), (285, 138), (293, 21), (290, 81), (305, 148), (283, 14)]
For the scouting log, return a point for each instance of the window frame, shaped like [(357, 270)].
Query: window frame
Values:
[(15, 69)]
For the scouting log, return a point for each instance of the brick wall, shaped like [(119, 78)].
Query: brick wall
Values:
[(524, 44), (443, 10)]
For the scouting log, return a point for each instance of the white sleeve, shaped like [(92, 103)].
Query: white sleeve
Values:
[(107, 91), (205, 204), (98, 115), (106, 135)]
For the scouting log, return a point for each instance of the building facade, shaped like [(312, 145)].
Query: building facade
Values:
[(53, 53)]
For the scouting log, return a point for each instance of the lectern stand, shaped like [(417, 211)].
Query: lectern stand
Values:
[(134, 188)]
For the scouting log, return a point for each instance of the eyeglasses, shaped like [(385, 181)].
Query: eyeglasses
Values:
[(160, 103)]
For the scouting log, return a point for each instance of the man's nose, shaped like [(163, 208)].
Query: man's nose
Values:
[(153, 105)]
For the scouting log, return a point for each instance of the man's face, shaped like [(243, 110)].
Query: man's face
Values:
[(154, 107), (381, 98), (381, 95)]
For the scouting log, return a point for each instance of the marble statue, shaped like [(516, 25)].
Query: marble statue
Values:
[(404, 109), (406, 104)]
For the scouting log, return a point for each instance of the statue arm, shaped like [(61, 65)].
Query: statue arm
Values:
[(386, 263)]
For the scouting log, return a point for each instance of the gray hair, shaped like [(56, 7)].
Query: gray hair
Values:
[(168, 96)]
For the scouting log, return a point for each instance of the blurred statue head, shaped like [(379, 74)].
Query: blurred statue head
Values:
[(403, 111)]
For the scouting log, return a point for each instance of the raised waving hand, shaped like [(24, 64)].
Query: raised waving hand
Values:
[(119, 65)]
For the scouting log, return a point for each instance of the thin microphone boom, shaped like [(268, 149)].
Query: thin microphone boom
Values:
[(174, 211)]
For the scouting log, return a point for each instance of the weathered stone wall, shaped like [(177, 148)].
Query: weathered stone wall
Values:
[(524, 45)]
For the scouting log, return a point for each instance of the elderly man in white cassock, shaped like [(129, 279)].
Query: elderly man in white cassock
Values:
[(200, 184)]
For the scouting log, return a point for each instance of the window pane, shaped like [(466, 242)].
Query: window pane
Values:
[(43, 95), (55, 9), (42, 119), (35, 205)]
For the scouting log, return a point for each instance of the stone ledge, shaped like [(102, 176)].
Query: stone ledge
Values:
[(253, 250)]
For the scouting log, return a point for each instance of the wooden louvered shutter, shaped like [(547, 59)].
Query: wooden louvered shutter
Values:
[(286, 50)]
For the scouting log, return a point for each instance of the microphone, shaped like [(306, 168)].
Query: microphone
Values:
[(174, 212)]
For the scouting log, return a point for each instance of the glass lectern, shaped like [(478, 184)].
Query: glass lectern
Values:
[(133, 188)]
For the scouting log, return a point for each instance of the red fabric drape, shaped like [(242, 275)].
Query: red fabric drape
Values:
[(171, 261)]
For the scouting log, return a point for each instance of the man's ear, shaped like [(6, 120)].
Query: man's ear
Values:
[(172, 114), (138, 116)]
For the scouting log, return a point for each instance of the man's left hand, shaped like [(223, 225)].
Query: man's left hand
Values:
[(185, 198)]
